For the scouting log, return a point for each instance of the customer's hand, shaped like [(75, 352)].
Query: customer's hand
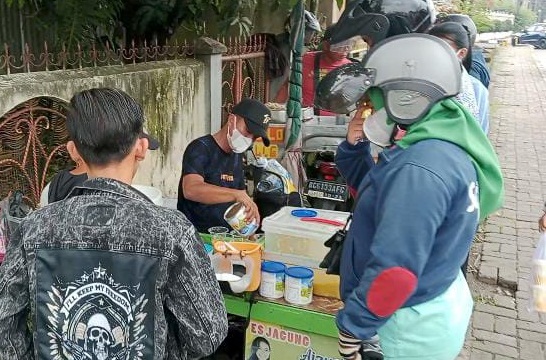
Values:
[(351, 348), (542, 223), (355, 132), (251, 209)]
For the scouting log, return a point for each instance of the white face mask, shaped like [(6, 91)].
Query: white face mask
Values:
[(377, 130), (238, 142)]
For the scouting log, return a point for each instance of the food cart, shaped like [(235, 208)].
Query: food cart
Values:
[(292, 331)]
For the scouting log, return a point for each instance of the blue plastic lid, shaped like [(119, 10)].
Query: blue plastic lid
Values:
[(273, 266), (303, 213), (299, 272), (208, 248)]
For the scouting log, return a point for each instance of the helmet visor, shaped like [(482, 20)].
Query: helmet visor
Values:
[(342, 88)]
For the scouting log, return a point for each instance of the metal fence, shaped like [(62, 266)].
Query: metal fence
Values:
[(18, 27), (33, 60)]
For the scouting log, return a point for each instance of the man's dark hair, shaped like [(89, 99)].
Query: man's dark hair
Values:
[(104, 124)]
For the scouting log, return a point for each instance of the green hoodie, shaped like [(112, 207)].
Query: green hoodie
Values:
[(448, 120)]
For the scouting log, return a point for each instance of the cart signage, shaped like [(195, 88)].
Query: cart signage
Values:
[(275, 134), (276, 342)]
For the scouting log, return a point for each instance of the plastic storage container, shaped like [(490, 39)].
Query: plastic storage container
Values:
[(272, 281), (290, 240), (298, 285)]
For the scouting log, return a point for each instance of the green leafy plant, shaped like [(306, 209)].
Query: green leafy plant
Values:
[(232, 13), (80, 21), (20, 3), (70, 22)]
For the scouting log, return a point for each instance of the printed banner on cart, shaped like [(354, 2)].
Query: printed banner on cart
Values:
[(272, 342)]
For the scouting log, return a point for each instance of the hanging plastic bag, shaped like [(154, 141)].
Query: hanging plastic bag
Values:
[(538, 277)]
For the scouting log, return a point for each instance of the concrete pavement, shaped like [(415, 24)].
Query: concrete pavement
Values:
[(502, 328)]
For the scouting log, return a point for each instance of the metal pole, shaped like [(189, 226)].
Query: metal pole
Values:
[(22, 31)]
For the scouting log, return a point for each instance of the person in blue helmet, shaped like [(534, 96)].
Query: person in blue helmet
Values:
[(417, 209)]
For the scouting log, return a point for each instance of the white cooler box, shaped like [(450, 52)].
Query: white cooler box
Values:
[(290, 240)]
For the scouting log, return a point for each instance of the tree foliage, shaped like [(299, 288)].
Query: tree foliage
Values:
[(80, 21), (70, 22), (76, 21), (479, 11), (524, 18)]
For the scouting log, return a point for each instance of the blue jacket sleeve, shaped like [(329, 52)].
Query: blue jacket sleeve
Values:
[(479, 67), (405, 233), (354, 162)]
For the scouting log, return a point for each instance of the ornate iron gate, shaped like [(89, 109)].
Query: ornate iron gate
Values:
[(33, 140), (243, 71)]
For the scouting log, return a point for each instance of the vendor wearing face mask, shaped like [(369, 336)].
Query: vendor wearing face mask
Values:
[(212, 168)]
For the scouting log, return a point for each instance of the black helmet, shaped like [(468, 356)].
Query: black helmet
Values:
[(464, 20), (413, 72), (379, 19), (311, 22)]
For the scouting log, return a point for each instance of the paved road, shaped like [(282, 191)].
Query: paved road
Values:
[(502, 328)]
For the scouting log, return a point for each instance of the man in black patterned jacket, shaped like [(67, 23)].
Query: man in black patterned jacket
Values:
[(105, 273)]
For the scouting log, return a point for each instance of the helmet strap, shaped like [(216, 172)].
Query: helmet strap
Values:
[(398, 132)]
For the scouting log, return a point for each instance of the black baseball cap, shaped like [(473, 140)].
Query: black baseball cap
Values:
[(257, 117)]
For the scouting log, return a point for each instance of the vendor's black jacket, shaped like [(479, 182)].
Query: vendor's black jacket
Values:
[(106, 273)]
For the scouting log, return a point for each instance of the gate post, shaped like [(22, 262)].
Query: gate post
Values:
[(210, 52)]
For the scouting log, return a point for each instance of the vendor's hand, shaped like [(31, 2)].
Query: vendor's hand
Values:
[(251, 209), (351, 348), (542, 223), (355, 132)]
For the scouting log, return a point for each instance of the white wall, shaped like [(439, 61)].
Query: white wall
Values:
[(172, 94)]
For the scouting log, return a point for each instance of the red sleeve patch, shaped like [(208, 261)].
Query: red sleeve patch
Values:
[(390, 290)]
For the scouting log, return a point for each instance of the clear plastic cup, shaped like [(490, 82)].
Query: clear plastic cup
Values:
[(235, 236), (218, 233), (259, 238)]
